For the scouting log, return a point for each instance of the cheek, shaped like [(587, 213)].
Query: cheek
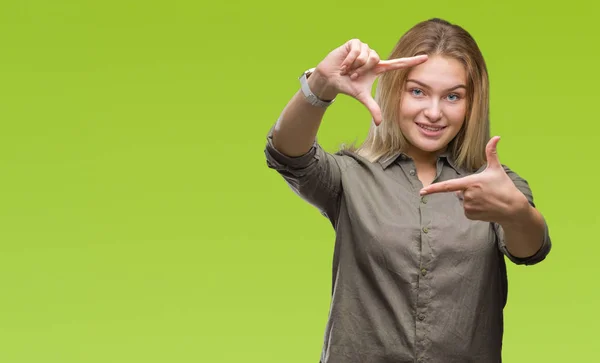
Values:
[(456, 115), (409, 109)]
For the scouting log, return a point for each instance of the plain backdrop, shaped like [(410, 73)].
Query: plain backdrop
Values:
[(140, 223)]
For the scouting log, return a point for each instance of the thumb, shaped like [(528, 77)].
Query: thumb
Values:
[(491, 153), (372, 106)]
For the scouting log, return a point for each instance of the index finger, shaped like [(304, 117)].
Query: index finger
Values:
[(454, 185), (398, 63)]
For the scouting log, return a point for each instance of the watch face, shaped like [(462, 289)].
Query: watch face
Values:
[(307, 73)]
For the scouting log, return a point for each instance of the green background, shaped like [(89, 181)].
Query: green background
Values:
[(140, 223)]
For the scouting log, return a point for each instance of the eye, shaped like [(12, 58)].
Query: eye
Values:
[(416, 92), (453, 97)]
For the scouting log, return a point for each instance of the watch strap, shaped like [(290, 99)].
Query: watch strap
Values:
[(310, 97)]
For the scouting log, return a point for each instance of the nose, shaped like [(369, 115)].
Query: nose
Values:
[(433, 112)]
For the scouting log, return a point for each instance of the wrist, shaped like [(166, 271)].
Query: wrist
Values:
[(519, 212), (320, 86)]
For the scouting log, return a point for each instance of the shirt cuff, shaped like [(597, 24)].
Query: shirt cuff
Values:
[(277, 160), (537, 257)]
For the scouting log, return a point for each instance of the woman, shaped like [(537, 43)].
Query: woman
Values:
[(424, 212)]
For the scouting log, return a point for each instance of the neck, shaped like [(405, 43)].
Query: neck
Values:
[(424, 157)]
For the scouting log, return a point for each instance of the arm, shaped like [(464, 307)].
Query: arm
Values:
[(296, 130), (293, 152), (524, 238), (524, 233), (351, 70), (292, 149), (499, 196)]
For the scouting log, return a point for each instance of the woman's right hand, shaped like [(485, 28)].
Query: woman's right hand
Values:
[(351, 70)]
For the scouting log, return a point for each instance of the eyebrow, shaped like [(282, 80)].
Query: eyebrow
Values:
[(426, 86)]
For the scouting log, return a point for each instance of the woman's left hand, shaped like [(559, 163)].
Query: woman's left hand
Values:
[(489, 196)]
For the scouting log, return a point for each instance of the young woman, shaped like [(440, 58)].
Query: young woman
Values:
[(424, 212)]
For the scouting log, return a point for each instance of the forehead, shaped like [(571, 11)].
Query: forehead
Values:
[(440, 72)]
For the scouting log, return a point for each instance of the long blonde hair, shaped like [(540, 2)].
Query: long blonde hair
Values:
[(433, 37)]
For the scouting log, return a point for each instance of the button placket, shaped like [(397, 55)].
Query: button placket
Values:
[(424, 206)]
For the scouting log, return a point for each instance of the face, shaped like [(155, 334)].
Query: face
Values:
[(434, 105)]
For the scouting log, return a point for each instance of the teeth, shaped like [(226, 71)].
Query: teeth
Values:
[(430, 128)]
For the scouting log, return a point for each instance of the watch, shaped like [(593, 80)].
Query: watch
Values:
[(310, 97)]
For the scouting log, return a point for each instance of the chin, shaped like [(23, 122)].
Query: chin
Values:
[(430, 145)]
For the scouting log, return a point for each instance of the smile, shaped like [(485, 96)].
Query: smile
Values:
[(431, 128)]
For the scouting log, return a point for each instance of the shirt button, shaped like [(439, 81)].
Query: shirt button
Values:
[(425, 229), (412, 172), (423, 272), (421, 317), (423, 200)]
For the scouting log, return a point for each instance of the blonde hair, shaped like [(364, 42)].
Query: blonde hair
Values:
[(433, 37)]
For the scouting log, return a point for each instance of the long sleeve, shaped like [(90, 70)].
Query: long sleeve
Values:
[(544, 250), (314, 176)]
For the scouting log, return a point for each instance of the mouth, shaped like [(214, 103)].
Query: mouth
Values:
[(430, 128)]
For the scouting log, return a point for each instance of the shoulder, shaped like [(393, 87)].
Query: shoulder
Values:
[(348, 159)]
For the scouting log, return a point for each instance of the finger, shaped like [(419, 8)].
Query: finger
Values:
[(459, 195), (470, 212), (398, 63), (371, 63), (372, 106), (469, 194), (491, 153), (360, 60), (353, 52), (454, 185)]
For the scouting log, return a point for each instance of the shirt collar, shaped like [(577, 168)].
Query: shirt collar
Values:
[(386, 161)]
